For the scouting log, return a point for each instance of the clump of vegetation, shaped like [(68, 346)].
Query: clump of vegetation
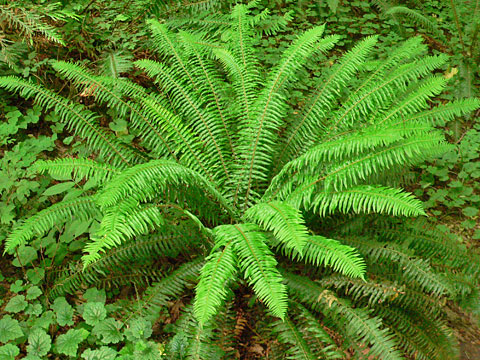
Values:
[(235, 184)]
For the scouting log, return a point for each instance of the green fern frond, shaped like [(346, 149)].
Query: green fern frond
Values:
[(145, 182), (283, 220), (314, 332), (115, 63), (414, 270), (211, 290), (83, 122), (444, 113), (208, 128), (321, 251), (384, 291), (256, 137), (257, 263), (29, 23), (170, 287), (380, 93), (302, 130), (355, 323), (288, 333), (109, 91), (77, 169), (367, 199), (421, 336), (181, 138), (415, 98), (209, 82), (121, 222), (409, 152), (416, 17), (427, 241), (124, 259), (46, 219), (196, 340)]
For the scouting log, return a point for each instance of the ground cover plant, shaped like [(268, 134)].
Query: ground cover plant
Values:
[(221, 217)]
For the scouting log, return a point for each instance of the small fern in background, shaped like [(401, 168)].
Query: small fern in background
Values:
[(22, 24), (241, 196)]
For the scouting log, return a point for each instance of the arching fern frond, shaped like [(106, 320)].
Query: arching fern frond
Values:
[(417, 18), (83, 122), (283, 220), (29, 23), (256, 136), (132, 256), (355, 323), (121, 222), (321, 251), (367, 199), (257, 263), (170, 287), (415, 270), (321, 103), (288, 333), (421, 336), (77, 169), (111, 92), (212, 289), (145, 182), (46, 219)]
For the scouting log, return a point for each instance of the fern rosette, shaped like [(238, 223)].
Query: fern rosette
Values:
[(261, 197)]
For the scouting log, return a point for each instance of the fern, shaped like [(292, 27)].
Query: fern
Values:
[(77, 169), (218, 271), (234, 190), (284, 221), (416, 17), (46, 219)]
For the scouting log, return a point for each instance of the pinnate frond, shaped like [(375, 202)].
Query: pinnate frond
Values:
[(368, 199), (212, 289), (77, 118), (46, 219), (356, 324), (286, 223), (121, 222), (77, 169), (257, 263)]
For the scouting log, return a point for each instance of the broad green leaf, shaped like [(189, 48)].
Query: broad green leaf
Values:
[(33, 293), (109, 331), (26, 254), (16, 304), (39, 343), (45, 320), (9, 352), (17, 286), (58, 188), (63, 310), (95, 295), (32, 357), (103, 353), (94, 312), (35, 275), (148, 350), (470, 211), (9, 329), (34, 309), (67, 344), (139, 329)]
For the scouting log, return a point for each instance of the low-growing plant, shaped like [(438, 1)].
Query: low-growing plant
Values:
[(45, 328), (451, 185), (233, 190)]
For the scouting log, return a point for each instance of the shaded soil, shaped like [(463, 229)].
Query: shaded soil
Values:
[(470, 351)]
